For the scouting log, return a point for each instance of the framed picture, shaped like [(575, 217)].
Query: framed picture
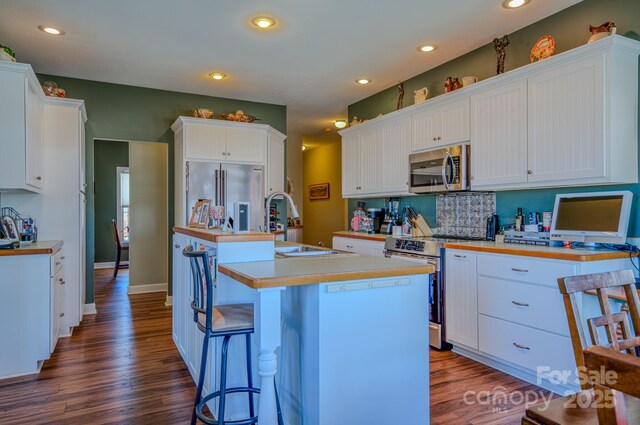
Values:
[(9, 228), (318, 191), (203, 221), (196, 212)]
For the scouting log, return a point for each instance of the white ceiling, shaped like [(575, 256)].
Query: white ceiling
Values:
[(308, 63)]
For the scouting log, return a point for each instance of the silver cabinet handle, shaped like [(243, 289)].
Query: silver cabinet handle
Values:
[(63, 257), (522, 347), (520, 270), (439, 138), (459, 256), (39, 178), (529, 171), (177, 246), (61, 314), (434, 138), (57, 263), (350, 246), (520, 304), (228, 153)]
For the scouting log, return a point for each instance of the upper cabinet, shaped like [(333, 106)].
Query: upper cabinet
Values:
[(215, 140), (569, 120), (499, 134), (275, 164), (21, 120), (375, 159), (443, 124)]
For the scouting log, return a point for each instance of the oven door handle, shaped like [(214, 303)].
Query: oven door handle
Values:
[(445, 176)]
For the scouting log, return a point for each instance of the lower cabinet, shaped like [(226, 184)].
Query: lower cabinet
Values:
[(461, 299), (359, 246), (295, 234), (31, 306), (507, 311)]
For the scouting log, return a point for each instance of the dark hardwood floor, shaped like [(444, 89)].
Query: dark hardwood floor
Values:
[(121, 367)]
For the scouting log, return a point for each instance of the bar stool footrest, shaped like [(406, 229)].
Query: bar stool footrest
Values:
[(212, 420)]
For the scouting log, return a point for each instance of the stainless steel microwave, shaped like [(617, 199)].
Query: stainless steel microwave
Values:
[(439, 170)]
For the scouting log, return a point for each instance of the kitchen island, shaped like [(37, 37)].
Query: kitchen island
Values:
[(344, 336)]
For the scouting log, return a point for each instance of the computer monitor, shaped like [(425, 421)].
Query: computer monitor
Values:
[(592, 217)]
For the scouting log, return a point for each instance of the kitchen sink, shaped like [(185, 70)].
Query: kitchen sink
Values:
[(303, 251)]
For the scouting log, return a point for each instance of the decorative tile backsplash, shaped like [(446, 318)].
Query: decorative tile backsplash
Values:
[(464, 214)]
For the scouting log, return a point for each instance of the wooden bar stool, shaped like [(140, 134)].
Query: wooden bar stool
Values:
[(220, 321)]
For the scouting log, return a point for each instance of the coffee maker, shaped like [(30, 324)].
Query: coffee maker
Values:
[(392, 217), (377, 215)]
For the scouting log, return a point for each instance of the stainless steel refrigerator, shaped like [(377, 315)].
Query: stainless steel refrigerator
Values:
[(226, 184)]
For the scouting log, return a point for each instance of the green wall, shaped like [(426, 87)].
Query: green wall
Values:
[(108, 155), (119, 112), (570, 29)]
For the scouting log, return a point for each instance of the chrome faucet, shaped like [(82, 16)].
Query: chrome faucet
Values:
[(294, 210)]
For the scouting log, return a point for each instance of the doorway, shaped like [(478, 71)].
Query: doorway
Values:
[(131, 187)]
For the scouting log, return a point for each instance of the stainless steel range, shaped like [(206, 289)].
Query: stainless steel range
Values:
[(427, 251)]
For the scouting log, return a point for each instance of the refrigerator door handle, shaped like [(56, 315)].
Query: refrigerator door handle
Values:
[(217, 186), (223, 190)]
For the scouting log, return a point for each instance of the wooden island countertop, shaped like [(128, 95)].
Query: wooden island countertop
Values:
[(306, 271), (218, 237)]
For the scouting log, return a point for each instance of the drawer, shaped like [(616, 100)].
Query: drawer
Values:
[(346, 244), (57, 261), (540, 352), (531, 305), (524, 269)]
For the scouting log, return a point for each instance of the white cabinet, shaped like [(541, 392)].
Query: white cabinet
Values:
[(21, 115), (441, 124), (275, 165), (359, 246), (581, 122), (31, 287), (214, 140), (499, 135), (461, 298), (182, 315), (63, 206), (375, 158), (295, 234)]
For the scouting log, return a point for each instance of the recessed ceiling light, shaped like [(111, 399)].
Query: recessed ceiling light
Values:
[(427, 48), (363, 81), (263, 22), (513, 4), (218, 75), (50, 30), (340, 123), (304, 148)]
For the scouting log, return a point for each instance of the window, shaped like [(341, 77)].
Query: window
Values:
[(122, 174)]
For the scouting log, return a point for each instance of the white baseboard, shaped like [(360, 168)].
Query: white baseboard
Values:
[(110, 265), (169, 301), (89, 309), (143, 289)]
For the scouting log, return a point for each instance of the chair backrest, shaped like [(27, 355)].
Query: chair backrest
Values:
[(116, 235), (628, 341), (202, 301)]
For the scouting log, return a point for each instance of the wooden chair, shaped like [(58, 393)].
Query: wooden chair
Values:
[(600, 282), (593, 353), (119, 248)]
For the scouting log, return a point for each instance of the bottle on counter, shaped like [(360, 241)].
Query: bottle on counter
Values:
[(519, 220)]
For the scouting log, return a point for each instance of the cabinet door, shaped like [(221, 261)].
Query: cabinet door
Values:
[(566, 125), (394, 156), (499, 136), (461, 299), (275, 165), (55, 308), (34, 134), (205, 142), (350, 164), (82, 159), (370, 162), (426, 126), (181, 289), (246, 145), (455, 123)]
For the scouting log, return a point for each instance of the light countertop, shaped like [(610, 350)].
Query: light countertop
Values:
[(556, 253), (305, 271), (34, 248), (378, 237), (219, 237)]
